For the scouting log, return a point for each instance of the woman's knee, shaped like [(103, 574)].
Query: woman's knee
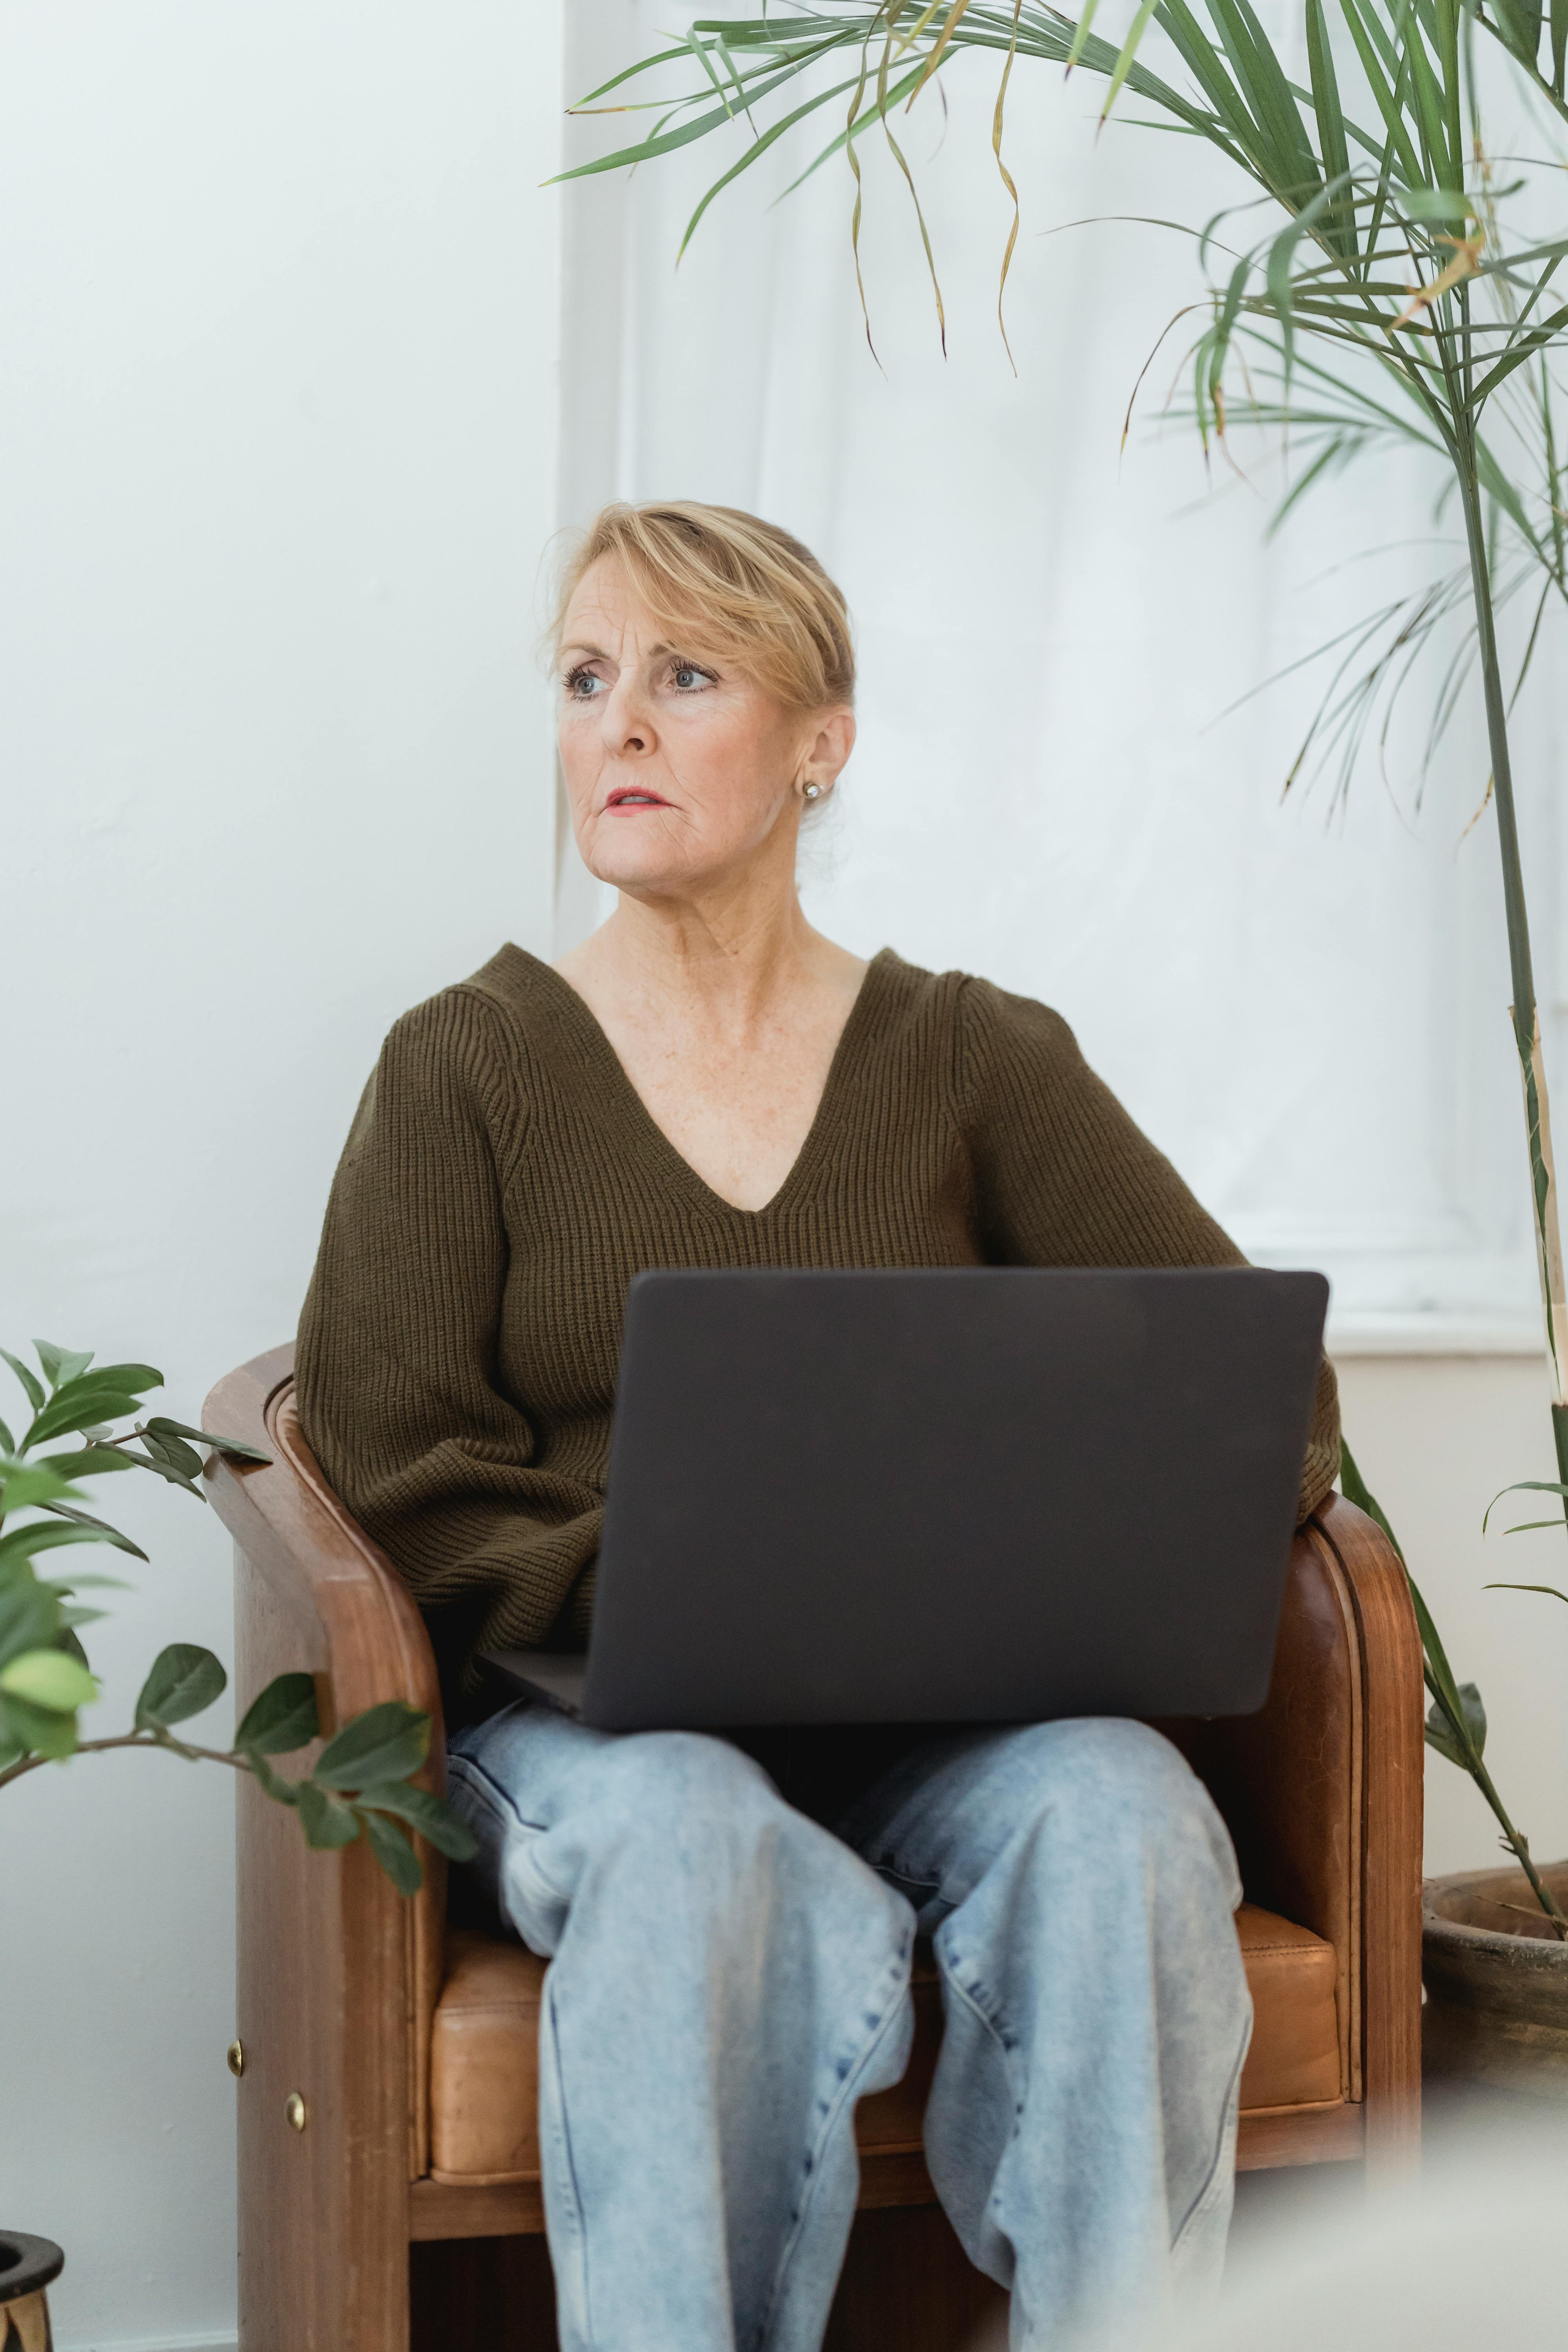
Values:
[(1110, 1775), (687, 1802)]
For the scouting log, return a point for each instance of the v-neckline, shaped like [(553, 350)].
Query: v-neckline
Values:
[(840, 1071)]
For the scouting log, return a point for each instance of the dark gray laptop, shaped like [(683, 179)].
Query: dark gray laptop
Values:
[(998, 1495)]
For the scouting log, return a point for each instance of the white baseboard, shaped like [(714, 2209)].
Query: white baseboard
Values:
[(147, 2344)]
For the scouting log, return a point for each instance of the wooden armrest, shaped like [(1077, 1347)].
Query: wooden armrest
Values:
[(313, 1593)]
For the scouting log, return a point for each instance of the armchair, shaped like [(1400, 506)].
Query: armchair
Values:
[(389, 2190)]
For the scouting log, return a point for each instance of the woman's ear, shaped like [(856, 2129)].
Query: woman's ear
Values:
[(830, 747)]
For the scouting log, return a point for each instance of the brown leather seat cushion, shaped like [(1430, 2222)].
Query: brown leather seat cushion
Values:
[(484, 2054)]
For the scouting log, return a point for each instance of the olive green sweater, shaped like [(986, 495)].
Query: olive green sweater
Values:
[(502, 1183)]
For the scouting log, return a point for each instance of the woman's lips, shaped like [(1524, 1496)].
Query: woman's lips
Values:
[(632, 799)]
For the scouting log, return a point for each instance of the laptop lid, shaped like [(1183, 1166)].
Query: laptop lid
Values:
[(948, 1496)]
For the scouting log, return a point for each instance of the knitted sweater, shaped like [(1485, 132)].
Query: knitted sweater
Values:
[(502, 1183)]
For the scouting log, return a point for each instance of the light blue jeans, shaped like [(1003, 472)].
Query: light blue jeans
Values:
[(729, 1976)]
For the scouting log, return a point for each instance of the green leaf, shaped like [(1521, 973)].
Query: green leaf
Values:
[(182, 1682), (105, 1532), (166, 1470), (663, 143), (1440, 1736), (29, 1616), (89, 1462), (1435, 205), (162, 1427), (23, 1484), (1355, 1490), (386, 1743), (73, 1616), (1523, 1487), (394, 1854), (80, 1406), (1129, 50), (134, 1377), (8, 1442), (61, 1364), (285, 1793), (1552, 1588), (1330, 126), (37, 1730), (173, 1450), (430, 1815), (47, 1679), (328, 1821), (28, 1378), (281, 1719), (42, 1535)]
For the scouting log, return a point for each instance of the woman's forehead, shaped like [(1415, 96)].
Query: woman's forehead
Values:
[(606, 614)]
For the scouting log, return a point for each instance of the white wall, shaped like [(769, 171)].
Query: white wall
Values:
[(278, 424), (279, 446)]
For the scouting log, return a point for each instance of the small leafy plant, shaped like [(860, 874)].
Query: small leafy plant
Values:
[(1457, 1720), (361, 1783)]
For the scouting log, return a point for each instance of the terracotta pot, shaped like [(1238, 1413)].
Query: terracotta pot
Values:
[(1497, 1982), (26, 2266)]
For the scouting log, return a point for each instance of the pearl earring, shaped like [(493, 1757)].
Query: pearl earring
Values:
[(810, 792)]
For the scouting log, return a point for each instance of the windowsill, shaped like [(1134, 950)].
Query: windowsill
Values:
[(1435, 1335)]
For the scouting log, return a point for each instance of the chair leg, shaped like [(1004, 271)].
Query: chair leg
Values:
[(481, 2294), (908, 2287)]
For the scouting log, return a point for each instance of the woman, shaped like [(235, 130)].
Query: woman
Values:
[(707, 1081)]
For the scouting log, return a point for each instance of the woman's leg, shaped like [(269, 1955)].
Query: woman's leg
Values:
[(726, 1980), (1080, 1886)]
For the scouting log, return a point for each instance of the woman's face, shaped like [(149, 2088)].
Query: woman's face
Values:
[(680, 771)]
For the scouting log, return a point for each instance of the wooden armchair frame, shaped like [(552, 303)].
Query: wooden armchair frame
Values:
[(339, 1976)]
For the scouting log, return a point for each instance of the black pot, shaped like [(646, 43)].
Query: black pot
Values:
[(27, 2267)]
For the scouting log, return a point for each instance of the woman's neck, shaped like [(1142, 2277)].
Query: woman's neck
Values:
[(722, 963)]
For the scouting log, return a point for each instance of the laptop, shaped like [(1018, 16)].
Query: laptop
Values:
[(987, 1494)]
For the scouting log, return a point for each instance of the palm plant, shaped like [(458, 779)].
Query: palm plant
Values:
[(1387, 298)]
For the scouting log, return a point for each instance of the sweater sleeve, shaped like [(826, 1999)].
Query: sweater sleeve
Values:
[(1065, 1177), (395, 1363)]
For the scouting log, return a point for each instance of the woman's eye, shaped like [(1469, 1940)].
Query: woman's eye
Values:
[(582, 686), (688, 677)]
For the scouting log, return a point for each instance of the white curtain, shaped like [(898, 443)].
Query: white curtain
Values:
[(1305, 1007)]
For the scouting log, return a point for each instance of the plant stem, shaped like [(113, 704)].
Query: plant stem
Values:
[(1526, 1021), (231, 1757), (1527, 1038), (1515, 1840)]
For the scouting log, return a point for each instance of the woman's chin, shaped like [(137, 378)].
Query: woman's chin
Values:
[(642, 871)]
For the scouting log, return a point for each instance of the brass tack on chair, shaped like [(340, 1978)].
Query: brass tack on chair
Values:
[(295, 2111), (235, 2055)]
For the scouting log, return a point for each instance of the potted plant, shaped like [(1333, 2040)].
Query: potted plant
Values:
[(1494, 1943), (363, 1783), (1404, 293)]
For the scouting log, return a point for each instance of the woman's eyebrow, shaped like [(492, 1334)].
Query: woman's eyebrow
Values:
[(577, 647)]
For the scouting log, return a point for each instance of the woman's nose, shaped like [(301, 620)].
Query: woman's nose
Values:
[(625, 719)]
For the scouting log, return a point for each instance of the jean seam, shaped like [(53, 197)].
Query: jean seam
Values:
[(490, 1793), (568, 2166), (1196, 2208), (500, 1799), (846, 2093), (906, 1878)]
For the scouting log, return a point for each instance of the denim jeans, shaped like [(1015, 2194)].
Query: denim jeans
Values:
[(729, 1976)]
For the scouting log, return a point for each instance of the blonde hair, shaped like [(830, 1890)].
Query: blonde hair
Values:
[(757, 596)]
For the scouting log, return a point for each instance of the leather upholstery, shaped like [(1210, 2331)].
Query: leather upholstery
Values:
[(1294, 2058), (484, 2053), (1288, 1778)]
